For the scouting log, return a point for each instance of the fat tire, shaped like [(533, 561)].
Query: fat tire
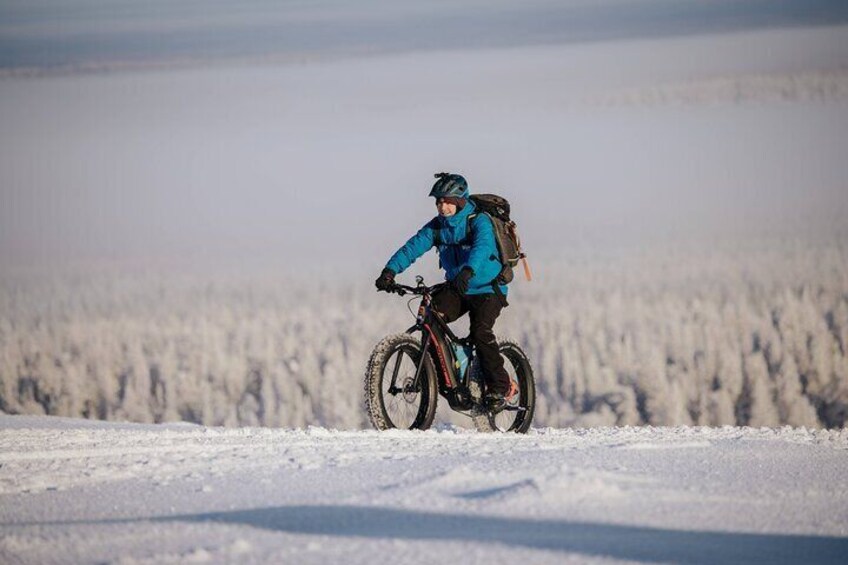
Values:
[(374, 402), (512, 352)]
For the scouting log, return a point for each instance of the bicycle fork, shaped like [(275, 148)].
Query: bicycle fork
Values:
[(393, 388)]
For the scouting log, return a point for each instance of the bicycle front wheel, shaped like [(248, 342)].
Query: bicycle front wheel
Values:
[(394, 398)]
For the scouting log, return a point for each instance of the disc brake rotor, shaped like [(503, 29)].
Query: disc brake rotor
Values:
[(410, 394)]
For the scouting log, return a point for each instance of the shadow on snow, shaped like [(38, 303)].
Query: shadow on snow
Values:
[(622, 542)]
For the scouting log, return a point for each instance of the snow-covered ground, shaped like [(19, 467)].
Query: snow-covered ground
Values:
[(74, 491)]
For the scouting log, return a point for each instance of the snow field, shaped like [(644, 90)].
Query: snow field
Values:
[(75, 492)]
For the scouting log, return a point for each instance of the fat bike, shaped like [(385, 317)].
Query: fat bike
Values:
[(407, 372)]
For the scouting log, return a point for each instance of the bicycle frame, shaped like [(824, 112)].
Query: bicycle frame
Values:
[(436, 340)]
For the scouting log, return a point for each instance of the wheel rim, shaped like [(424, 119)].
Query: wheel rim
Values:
[(403, 406)]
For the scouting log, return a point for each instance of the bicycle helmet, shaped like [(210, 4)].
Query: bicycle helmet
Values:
[(449, 185)]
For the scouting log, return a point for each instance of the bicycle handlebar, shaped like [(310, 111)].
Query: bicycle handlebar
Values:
[(401, 289)]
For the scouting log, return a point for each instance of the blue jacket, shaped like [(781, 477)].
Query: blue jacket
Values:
[(479, 251)]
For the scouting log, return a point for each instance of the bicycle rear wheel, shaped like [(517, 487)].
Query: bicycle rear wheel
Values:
[(518, 415), (408, 404)]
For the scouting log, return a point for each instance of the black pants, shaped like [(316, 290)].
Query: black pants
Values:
[(483, 309)]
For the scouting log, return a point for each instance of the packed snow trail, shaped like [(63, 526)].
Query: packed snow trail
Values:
[(73, 491)]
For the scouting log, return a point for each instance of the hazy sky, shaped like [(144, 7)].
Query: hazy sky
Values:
[(52, 33), (331, 161)]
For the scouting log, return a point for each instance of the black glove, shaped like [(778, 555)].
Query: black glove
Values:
[(386, 280), (460, 282)]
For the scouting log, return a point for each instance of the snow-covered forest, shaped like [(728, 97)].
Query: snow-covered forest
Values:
[(754, 335)]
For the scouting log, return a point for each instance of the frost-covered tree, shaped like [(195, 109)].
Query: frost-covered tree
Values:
[(752, 334)]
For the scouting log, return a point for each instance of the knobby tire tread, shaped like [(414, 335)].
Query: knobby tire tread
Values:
[(374, 405)]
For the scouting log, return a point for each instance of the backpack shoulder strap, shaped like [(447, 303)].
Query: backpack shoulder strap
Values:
[(468, 224), (437, 231)]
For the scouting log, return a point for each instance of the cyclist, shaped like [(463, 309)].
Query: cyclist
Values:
[(469, 255)]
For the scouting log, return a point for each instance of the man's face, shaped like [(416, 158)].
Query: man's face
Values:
[(445, 208)]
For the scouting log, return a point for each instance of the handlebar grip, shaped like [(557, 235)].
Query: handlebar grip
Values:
[(396, 289)]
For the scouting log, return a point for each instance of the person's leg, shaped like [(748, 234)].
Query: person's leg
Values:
[(449, 304), (484, 310)]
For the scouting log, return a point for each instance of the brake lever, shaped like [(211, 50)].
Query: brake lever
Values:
[(399, 291)]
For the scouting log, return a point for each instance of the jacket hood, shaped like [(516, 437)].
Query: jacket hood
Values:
[(460, 217)]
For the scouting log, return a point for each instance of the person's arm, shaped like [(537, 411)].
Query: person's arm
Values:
[(417, 246)]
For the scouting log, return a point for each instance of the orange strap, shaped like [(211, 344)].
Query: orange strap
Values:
[(527, 274)]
